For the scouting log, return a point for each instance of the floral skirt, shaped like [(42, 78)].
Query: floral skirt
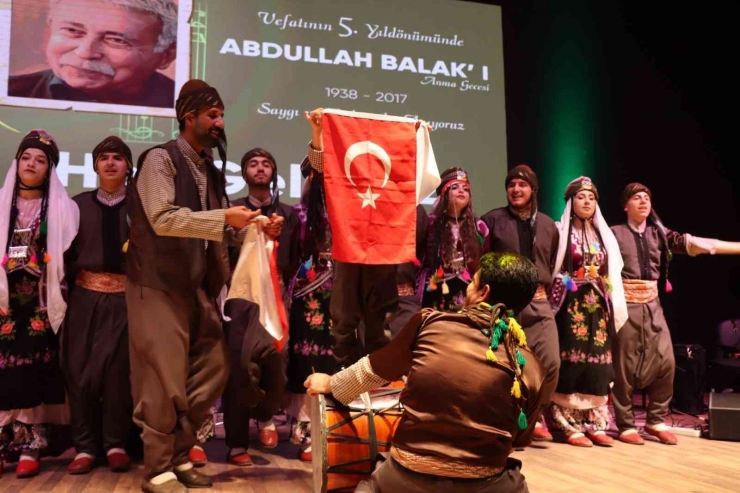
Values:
[(30, 374), (585, 331), (18, 438), (311, 338), (579, 420), (207, 430)]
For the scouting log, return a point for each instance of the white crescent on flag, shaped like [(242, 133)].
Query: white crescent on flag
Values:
[(427, 173)]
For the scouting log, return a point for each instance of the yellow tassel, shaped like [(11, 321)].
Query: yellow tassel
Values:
[(47, 258), (445, 288), (125, 247), (516, 390), (592, 271), (490, 356), (517, 332)]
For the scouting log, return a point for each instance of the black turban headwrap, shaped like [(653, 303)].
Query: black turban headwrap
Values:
[(524, 172), (450, 175), (40, 139), (584, 183), (195, 95), (112, 144), (259, 152), (632, 189)]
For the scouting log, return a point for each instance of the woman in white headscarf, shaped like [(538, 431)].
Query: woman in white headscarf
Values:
[(588, 300), (38, 222)]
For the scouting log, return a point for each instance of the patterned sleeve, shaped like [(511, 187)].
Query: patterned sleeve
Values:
[(355, 380), (316, 158), (156, 187)]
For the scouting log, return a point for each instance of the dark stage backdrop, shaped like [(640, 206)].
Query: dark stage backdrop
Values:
[(636, 91)]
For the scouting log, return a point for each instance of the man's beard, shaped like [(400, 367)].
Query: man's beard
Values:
[(207, 139), (524, 211), (259, 186)]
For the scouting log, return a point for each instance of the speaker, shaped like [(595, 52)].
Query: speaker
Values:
[(689, 380), (724, 416)]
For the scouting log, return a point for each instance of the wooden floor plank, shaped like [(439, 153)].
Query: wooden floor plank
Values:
[(696, 465)]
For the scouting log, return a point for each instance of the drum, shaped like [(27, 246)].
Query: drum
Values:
[(345, 441)]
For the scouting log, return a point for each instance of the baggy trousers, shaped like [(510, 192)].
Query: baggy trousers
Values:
[(257, 372), (643, 359), (96, 367), (366, 293), (178, 370), (539, 326)]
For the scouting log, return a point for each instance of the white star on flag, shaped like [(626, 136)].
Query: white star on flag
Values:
[(368, 198)]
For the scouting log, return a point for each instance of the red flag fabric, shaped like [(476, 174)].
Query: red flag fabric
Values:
[(370, 179), (255, 280)]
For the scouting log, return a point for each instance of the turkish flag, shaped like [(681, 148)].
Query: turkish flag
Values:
[(376, 170)]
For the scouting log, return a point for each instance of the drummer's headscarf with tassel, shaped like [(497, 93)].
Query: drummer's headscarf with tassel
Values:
[(59, 223), (614, 256), (194, 96), (632, 189)]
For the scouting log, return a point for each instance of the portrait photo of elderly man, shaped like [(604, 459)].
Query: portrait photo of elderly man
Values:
[(98, 51)]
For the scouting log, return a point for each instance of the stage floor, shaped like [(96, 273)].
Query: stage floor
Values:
[(695, 465)]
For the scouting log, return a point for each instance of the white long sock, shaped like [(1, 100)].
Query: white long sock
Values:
[(184, 467), (267, 425), (237, 451), (163, 478), (34, 455)]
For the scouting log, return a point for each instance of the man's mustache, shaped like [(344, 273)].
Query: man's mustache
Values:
[(89, 65)]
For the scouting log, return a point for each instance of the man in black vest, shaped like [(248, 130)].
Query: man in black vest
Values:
[(95, 343), (176, 267), (257, 376)]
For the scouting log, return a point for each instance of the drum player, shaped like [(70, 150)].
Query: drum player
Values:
[(473, 390)]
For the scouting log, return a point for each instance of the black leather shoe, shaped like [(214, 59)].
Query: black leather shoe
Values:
[(193, 479)]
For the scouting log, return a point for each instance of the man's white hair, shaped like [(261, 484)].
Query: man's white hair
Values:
[(166, 10)]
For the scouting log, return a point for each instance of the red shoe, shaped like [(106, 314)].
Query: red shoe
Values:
[(602, 439), (541, 434), (27, 468), (664, 436), (305, 456), (198, 457), (631, 438), (82, 465), (242, 460), (119, 462), (269, 438), (581, 441)]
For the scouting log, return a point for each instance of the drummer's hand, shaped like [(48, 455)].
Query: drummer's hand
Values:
[(318, 383)]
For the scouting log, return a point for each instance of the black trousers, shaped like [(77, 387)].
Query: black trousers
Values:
[(96, 366), (257, 372), (361, 293)]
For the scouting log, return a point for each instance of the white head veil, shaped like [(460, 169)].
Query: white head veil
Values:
[(614, 257), (63, 220)]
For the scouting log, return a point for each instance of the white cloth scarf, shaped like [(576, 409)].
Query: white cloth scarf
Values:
[(63, 220), (614, 260)]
